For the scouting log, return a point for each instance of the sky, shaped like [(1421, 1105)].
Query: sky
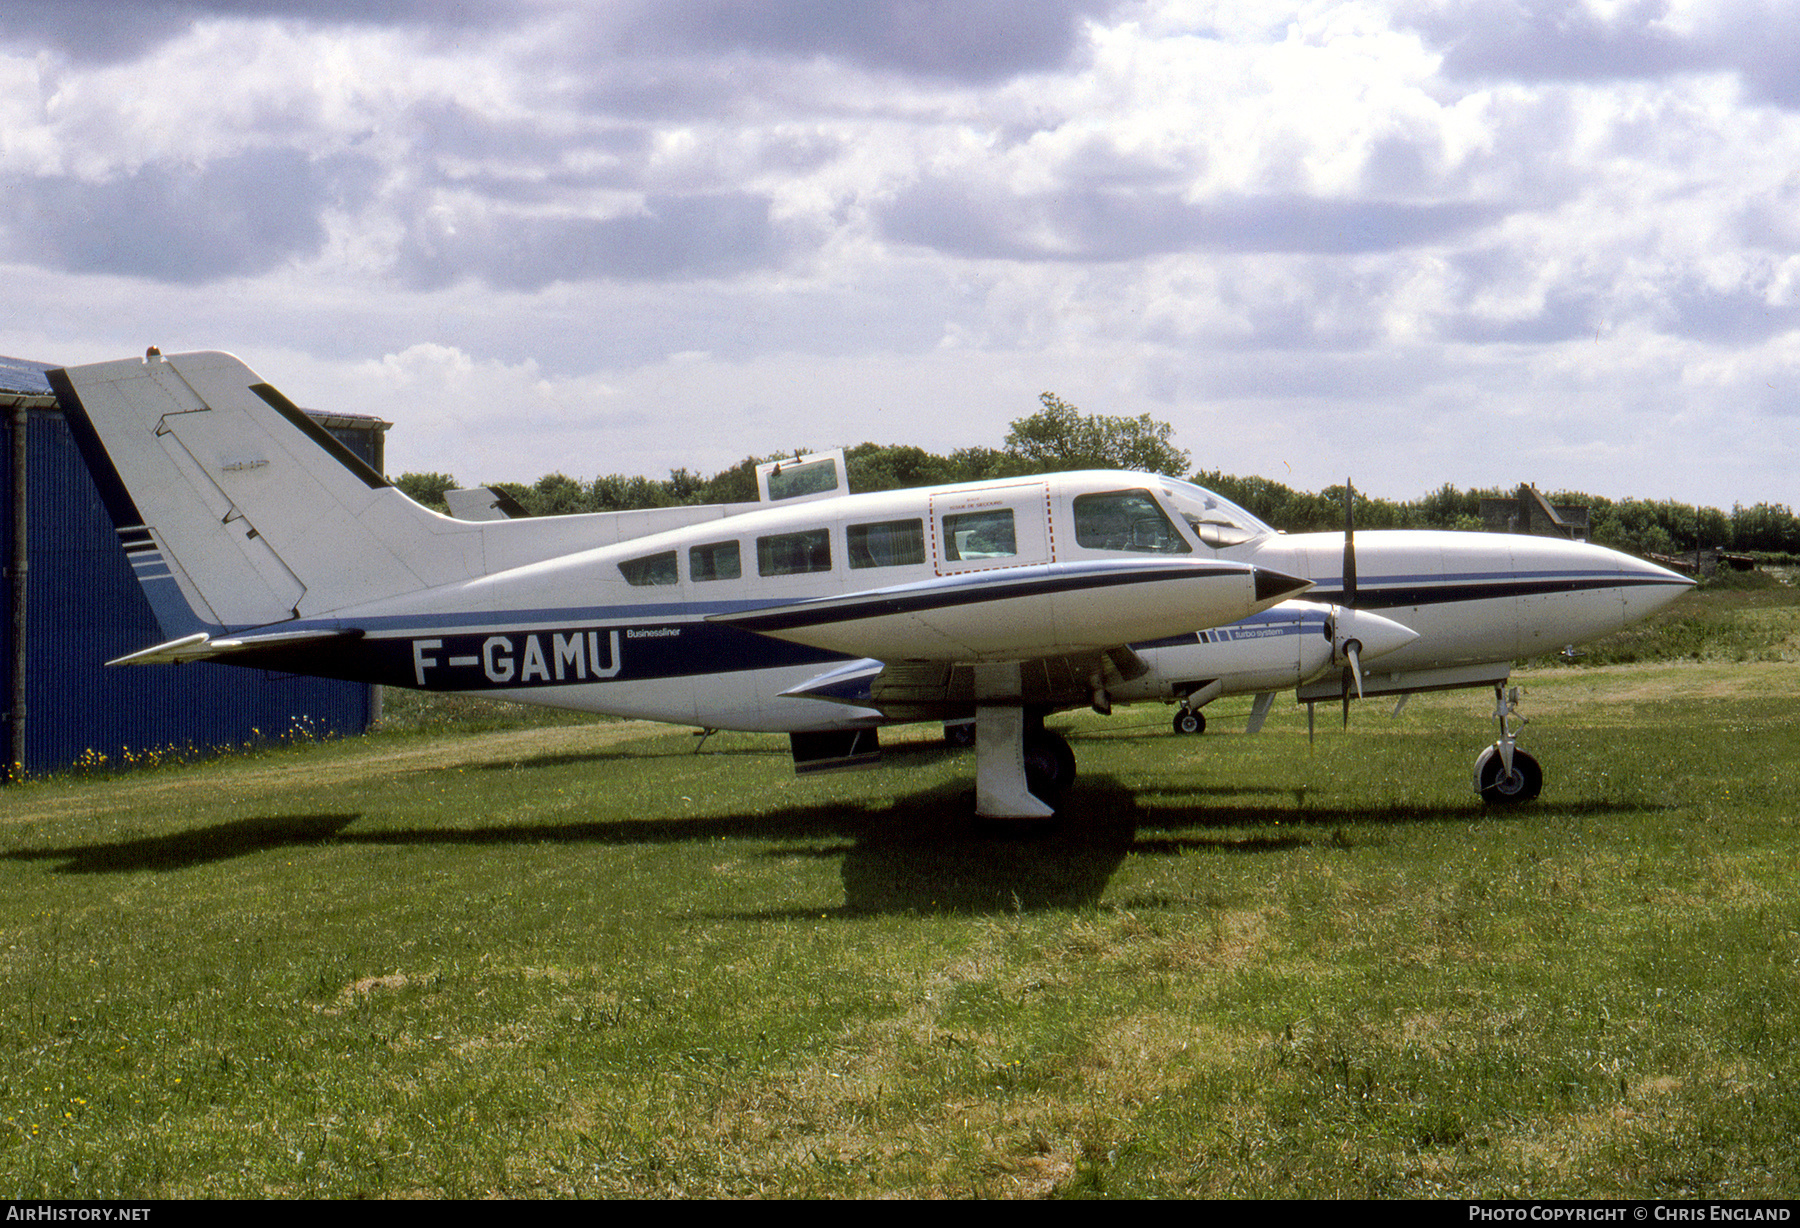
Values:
[(1481, 242)]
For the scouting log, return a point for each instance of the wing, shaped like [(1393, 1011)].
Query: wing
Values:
[(1025, 613)]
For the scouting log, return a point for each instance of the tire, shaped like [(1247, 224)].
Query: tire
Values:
[(1187, 722), (1497, 789), (1049, 767)]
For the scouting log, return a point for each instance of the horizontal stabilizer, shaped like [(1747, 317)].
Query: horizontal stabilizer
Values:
[(203, 647), (483, 503)]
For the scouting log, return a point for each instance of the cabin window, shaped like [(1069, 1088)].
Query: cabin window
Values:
[(651, 569), (890, 543), (1126, 520), (715, 561), (790, 554), (980, 535)]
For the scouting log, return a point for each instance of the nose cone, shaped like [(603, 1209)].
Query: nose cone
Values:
[(1274, 586), (1376, 634), (1646, 588)]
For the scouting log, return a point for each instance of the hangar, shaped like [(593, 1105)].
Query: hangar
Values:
[(72, 604)]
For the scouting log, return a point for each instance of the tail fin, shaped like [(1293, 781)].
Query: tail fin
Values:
[(236, 509)]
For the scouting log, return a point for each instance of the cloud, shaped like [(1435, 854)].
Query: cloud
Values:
[(111, 31), (1102, 225), (1739, 316), (1568, 40), (673, 238), (235, 216), (975, 41), (1560, 40)]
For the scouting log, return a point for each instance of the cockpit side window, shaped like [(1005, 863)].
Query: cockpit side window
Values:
[(651, 569), (1216, 521), (1129, 520)]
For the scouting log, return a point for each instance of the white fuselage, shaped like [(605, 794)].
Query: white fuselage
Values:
[(710, 624), (1429, 602)]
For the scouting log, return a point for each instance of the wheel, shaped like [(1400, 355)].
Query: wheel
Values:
[(1189, 722), (1498, 789), (959, 733), (1049, 767)]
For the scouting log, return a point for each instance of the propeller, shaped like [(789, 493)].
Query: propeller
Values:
[(1347, 651), (1350, 649)]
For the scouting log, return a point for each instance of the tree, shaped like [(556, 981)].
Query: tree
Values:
[(557, 494), (981, 463), (893, 467), (427, 489), (617, 492), (1059, 437), (1770, 527)]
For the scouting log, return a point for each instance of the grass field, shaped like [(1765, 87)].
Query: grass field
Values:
[(463, 958)]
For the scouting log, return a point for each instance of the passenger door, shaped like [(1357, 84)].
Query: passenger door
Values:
[(991, 527)]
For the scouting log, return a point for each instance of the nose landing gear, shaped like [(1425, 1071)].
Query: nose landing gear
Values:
[(1504, 774), (1187, 720)]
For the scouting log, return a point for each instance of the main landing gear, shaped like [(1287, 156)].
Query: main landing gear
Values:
[(1049, 764), (1022, 770), (1504, 774)]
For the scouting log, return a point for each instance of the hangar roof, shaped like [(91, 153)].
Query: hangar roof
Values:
[(21, 376)]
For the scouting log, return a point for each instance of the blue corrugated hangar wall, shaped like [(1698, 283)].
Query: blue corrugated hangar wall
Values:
[(84, 608)]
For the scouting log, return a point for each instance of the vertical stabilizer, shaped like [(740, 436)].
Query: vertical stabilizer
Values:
[(236, 509)]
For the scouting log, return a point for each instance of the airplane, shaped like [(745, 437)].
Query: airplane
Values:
[(261, 542)]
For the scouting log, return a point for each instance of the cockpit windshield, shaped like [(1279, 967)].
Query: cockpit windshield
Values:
[(1216, 521)]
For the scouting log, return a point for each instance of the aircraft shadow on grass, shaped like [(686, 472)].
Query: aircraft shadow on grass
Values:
[(901, 755), (201, 846), (919, 854)]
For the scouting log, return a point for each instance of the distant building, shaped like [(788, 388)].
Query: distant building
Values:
[(71, 604), (1531, 513)]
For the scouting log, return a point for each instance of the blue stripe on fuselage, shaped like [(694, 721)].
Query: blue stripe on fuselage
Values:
[(512, 658), (1269, 624), (1390, 592)]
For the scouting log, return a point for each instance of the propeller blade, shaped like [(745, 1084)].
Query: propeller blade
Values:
[(1349, 597), (1352, 652)]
